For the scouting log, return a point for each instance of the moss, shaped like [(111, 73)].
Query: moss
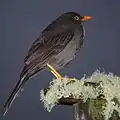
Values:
[(103, 91), (96, 109)]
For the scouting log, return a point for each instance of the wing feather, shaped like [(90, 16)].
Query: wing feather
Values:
[(46, 47), (44, 44)]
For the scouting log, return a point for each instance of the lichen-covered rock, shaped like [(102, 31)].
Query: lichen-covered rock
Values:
[(98, 85)]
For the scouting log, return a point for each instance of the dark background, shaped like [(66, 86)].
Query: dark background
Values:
[(21, 21)]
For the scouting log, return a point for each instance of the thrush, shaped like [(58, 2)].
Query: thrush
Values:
[(55, 47)]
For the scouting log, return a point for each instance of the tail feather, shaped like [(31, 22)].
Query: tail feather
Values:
[(18, 88), (24, 76)]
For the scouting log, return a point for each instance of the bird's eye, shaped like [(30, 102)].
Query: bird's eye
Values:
[(76, 18)]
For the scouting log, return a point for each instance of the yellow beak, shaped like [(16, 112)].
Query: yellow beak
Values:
[(86, 18)]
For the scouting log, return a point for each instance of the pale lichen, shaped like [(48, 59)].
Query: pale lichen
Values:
[(106, 84)]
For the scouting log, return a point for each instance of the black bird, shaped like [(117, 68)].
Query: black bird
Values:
[(57, 46)]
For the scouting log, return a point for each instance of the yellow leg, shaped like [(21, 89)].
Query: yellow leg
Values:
[(54, 72)]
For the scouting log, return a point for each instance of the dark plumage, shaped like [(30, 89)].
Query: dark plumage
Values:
[(56, 45)]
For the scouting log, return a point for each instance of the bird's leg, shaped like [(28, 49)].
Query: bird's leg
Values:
[(54, 72)]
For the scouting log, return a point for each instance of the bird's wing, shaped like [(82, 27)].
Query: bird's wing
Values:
[(48, 44), (47, 38), (43, 48)]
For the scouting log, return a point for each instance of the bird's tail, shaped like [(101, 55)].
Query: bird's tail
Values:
[(18, 88)]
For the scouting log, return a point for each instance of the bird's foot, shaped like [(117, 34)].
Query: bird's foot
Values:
[(56, 74)]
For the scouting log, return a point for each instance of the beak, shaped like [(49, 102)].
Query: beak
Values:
[(84, 18)]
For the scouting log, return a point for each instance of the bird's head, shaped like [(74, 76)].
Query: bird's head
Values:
[(74, 17)]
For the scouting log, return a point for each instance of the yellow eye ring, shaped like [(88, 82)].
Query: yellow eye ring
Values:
[(76, 18)]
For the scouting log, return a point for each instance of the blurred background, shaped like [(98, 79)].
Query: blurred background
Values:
[(21, 21)]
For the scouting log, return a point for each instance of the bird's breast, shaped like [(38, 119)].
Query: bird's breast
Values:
[(66, 55)]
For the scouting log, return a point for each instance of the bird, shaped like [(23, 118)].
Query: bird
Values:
[(54, 48)]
